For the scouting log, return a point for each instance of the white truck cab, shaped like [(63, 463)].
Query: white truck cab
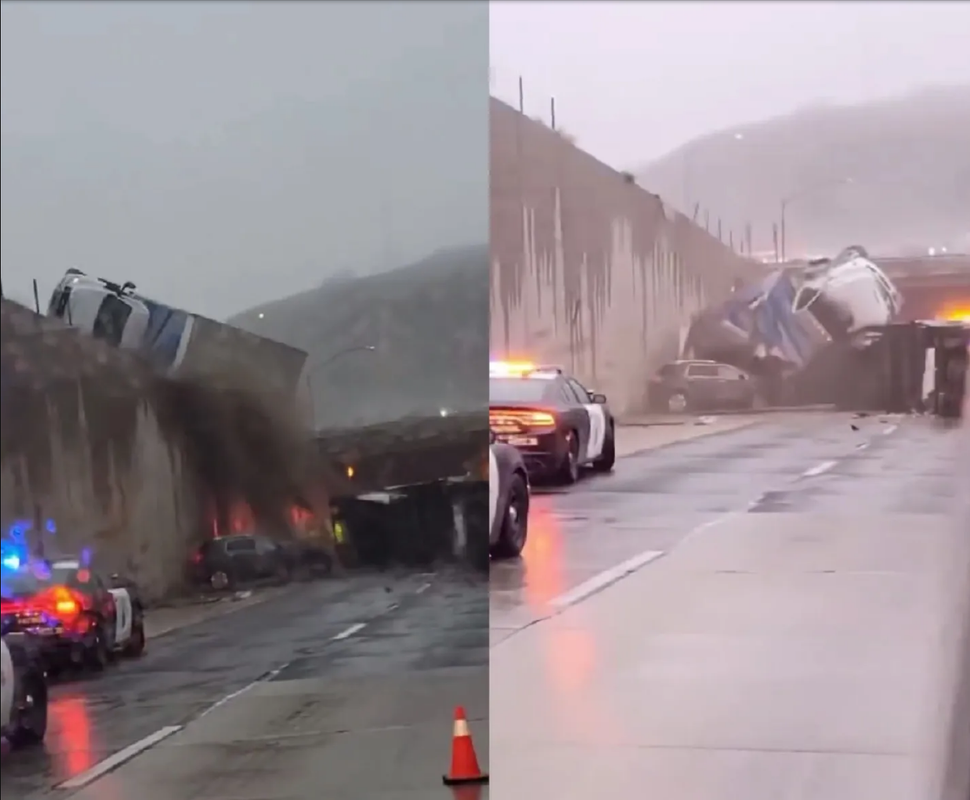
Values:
[(101, 309)]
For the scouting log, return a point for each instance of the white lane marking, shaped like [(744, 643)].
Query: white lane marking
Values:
[(346, 634), (239, 692), (818, 469), (603, 579), (890, 429), (423, 588), (862, 445), (114, 761)]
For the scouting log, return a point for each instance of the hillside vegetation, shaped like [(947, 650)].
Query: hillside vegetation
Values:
[(428, 323), (893, 175)]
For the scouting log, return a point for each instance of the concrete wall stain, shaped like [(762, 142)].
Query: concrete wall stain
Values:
[(589, 270)]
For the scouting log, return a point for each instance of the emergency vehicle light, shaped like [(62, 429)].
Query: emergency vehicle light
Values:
[(521, 369)]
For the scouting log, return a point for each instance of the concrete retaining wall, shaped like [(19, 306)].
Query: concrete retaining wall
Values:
[(589, 270), (81, 446), (132, 463)]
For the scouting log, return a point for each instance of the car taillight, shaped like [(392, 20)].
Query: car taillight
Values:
[(196, 557), (67, 608), (63, 602), (506, 419)]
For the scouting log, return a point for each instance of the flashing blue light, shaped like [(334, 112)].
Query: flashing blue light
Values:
[(50, 526), (11, 562)]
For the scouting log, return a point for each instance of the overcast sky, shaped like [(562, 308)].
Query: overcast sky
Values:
[(224, 154), (633, 80)]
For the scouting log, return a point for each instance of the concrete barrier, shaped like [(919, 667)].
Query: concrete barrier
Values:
[(589, 270)]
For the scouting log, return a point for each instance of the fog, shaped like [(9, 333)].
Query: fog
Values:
[(223, 155), (633, 81)]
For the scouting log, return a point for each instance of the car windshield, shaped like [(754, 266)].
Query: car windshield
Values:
[(517, 390), (27, 582)]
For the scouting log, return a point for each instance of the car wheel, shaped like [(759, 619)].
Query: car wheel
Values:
[(282, 573), (136, 644), (607, 460), (677, 403), (29, 726), (568, 472), (515, 522), (220, 580)]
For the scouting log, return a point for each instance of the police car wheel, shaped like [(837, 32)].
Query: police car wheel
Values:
[(515, 522), (29, 723), (98, 654), (606, 461), (568, 472), (135, 646)]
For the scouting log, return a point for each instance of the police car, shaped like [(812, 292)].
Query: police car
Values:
[(23, 693), (78, 617), (557, 424), (508, 500)]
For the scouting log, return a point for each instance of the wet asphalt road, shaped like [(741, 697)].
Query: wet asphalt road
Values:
[(752, 614), (383, 629), (292, 700), (796, 463)]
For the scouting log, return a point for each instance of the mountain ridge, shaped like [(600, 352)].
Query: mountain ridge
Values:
[(892, 174)]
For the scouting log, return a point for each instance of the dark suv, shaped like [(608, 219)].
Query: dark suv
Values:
[(230, 561), (682, 386)]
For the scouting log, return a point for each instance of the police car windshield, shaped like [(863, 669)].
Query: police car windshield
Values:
[(517, 390), (28, 582)]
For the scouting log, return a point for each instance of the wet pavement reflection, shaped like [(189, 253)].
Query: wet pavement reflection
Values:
[(91, 718), (638, 680), (653, 499)]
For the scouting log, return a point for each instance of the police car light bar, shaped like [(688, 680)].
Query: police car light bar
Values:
[(521, 369)]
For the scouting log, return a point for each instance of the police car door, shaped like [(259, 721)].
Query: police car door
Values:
[(597, 420), (123, 615), (7, 686)]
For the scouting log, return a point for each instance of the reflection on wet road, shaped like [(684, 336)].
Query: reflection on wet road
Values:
[(776, 645), (653, 499), (394, 634)]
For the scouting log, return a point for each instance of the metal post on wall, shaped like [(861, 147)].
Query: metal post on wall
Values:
[(552, 113)]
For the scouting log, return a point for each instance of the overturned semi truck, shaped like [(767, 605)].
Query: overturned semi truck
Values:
[(785, 328)]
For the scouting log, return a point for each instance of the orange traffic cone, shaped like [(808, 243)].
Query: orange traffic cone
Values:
[(464, 762)]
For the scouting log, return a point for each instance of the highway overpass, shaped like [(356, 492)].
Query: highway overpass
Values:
[(932, 286)]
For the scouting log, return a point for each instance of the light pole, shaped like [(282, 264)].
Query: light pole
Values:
[(786, 201), (326, 362)]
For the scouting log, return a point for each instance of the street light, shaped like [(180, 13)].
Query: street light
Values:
[(785, 201), (326, 362)]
